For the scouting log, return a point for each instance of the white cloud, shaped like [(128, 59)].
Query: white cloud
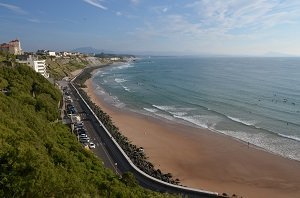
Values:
[(227, 19), (119, 13), (218, 26), (96, 3), (249, 14), (13, 8)]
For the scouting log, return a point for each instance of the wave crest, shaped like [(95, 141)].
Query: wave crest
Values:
[(248, 123), (290, 137)]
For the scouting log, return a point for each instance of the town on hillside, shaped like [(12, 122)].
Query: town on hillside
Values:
[(38, 60)]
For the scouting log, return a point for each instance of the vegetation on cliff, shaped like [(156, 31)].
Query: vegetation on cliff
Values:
[(39, 157), (61, 67)]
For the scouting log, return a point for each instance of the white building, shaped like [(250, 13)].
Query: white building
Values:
[(38, 65), (51, 53), (66, 53), (115, 58)]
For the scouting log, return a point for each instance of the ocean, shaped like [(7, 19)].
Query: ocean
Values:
[(256, 100)]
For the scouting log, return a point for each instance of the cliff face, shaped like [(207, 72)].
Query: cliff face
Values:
[(64, 66), (61, 67)]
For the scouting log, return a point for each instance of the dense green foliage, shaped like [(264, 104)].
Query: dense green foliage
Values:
[(136, 154), (7, 59), (40, 157)]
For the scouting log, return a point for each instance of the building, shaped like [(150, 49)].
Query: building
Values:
[(13, 47), (38, 65), (4, 47), (65, 53), (41, 52), (51, 53), (114, 58)]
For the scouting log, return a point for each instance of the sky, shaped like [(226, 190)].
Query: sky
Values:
[(186, 27)]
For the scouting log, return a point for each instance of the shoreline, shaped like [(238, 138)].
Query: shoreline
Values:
[(211, 161)]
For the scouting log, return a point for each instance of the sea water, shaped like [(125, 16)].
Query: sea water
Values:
[(256, 100)]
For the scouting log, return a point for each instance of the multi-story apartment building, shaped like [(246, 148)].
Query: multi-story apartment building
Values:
[(38, 65)]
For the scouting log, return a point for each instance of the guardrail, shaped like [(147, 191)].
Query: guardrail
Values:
[(179, 188)]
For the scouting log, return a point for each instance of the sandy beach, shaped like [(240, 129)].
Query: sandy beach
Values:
[(204, 159)]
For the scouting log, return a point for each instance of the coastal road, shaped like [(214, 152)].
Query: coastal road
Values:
[(115, 160), (100, 150)]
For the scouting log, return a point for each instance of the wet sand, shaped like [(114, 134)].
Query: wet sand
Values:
[(206, 160)]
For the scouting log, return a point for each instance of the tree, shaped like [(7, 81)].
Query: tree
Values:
[(129, 180), (3, 83)]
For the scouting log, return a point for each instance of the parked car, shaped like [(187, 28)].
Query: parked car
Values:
[(71, 112), (79, 128), (92, 145), (69, 106), (84, 139), (67, 93), (68, 97), (78, 125), (83, 135)]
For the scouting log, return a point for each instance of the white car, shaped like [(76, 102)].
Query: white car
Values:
[(92, 145), (83, 135)]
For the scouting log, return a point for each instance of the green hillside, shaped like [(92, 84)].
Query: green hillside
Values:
[(61, 67), (39, 157)]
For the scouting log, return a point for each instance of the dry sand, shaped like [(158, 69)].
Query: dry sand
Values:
[(206, 160)]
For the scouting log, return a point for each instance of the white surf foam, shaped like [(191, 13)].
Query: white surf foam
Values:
[(173, 110), (208, 122), (279, 146), (126, 88), (289, 137), (124, 66), (164, 108), (248, 123), (150, 110), (120, 80), (178, 113), (164, 116), (193, 121)]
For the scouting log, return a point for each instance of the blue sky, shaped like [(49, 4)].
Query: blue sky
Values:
[(234, 27)]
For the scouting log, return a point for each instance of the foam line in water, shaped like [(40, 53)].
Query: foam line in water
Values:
[(124, 66), (126, 88), (248, 123), (164, 108), (290, 137), (150, 110), (193, 121)]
